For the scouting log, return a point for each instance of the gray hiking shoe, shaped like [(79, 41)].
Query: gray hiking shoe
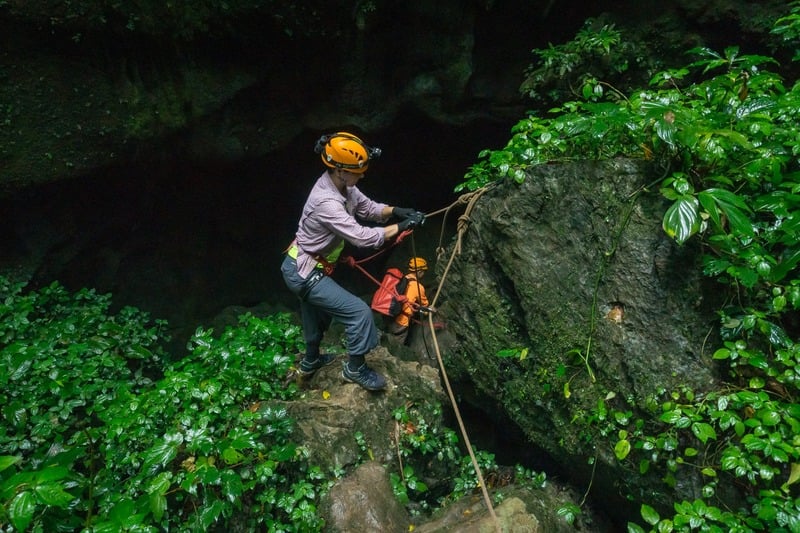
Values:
[(364, 376), (307, 368)]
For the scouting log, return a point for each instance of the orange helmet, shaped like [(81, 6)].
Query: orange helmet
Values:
[(345, 150), (417, 263)]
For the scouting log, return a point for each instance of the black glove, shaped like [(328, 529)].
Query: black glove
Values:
[(414, 220), (403, 212)]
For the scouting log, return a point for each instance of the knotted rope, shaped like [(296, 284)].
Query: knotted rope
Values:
[(463, 224)]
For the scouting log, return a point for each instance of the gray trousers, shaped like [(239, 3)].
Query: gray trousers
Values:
[(323, 300)]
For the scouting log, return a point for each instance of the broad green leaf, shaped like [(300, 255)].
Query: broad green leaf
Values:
[(747, 276), (21, 510), (722, 353), (52, 473), (671, 417), (509, 352), (710, 205), (682, 219), (732, 205), (769, 418), (666, 131), (53, 494), (162, 453), (160, 484), (158, 504), (754, 105), (703, 431), (8, 460), (724, 196), (121, 511), (231, 456), (740, 222), (622, 449), (241, 439), (794, 475), (788, 261), (586, 90), (649, 514), (776, 335), (210, 513), (736, 137)]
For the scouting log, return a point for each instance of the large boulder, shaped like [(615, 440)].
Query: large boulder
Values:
[(569, 303)]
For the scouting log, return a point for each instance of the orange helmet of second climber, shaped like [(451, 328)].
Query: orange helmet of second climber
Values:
[(346, 151), (417, 264)]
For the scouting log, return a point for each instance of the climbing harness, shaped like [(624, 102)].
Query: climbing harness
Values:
[(327, 264)]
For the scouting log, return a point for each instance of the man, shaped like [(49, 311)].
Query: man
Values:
[(415, 299), (330, 218)]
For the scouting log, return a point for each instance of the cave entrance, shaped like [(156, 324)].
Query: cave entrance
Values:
[(185, 240)]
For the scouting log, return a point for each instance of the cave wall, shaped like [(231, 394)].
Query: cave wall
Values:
[(81, 96)]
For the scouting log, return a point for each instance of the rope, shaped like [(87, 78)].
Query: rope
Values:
[(350, 260), (463, 223), (463, 220), (397, 240)]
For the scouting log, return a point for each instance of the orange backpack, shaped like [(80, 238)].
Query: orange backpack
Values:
[(391, 295)]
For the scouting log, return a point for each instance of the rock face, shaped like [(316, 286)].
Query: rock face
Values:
[(348, 429), (364, 502), (573, 267), (88, 96), (328, 423)]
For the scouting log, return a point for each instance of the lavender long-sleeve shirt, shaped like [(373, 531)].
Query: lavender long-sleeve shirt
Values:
[(329, 217)]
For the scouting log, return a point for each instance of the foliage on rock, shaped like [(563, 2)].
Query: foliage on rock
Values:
[(724, 131)]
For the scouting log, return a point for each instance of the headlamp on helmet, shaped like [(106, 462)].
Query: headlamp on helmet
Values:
[(346, 151)]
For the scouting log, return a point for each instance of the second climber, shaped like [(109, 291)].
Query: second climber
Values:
[(416, 299)]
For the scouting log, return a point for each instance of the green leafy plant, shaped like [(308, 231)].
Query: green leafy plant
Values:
[(723, 130), (558, 69), (98, 434), (404, 482), (788, 28), (423, 446)]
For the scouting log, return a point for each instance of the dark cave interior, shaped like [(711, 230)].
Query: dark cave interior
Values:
[(184, 241)]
